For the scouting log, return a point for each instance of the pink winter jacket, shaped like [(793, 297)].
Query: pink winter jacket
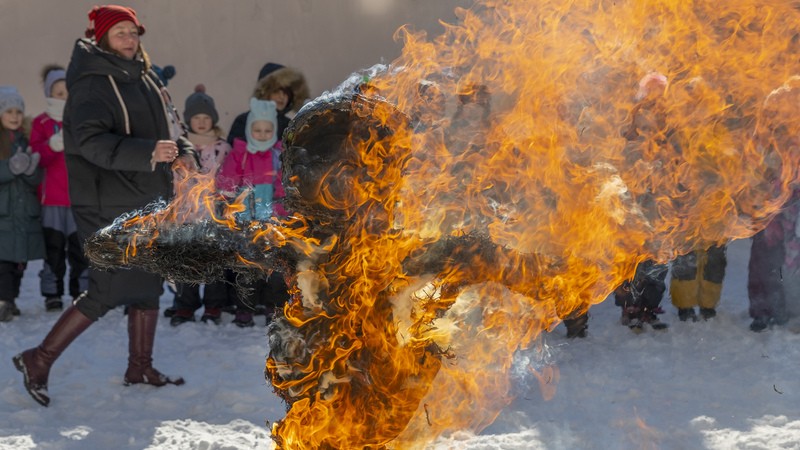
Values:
[(242, 168), (54, 188)]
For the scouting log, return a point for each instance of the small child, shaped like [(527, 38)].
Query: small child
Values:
[(61, 240), (201, 116), (254, 166), (22, 240)]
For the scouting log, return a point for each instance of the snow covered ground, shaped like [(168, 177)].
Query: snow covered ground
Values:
[(705, 385)]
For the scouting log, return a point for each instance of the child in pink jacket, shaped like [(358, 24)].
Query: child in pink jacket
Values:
[(60, 232), (254, 167)]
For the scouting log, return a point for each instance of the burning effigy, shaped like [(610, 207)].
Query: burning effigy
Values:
[(450, 207)]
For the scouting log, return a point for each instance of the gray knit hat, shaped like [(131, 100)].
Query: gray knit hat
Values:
[(10, 98), (50, 79), (200, 103)]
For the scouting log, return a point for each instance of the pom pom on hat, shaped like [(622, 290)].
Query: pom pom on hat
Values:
[(165, 73), (200, 103), (10, 98), (102, 18)]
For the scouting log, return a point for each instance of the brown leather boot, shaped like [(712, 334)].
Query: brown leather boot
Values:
[(141, 334), (35, 363)]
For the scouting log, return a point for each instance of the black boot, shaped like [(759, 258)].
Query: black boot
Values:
[(577, 327), (35, 363), (141, 334), (687, 314)]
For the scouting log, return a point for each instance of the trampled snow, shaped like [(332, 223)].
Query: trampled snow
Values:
[(706, 385)]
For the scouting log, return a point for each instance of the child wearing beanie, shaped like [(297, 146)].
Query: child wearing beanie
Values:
[(21, 239), (62, 244), (201, 117), (252, 169)]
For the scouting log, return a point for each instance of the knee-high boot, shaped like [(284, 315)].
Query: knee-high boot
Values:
[(141, 334), (35, 363)]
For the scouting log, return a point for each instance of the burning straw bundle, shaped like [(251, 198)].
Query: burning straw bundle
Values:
[(194, 252)]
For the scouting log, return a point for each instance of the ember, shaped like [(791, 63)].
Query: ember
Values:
[(487, 184)]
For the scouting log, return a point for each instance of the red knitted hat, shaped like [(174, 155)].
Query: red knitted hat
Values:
[(102, 18)]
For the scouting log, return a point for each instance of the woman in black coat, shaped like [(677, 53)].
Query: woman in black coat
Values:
[(123, 139)]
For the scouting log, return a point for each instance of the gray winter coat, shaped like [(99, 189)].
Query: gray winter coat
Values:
[(21, 236)]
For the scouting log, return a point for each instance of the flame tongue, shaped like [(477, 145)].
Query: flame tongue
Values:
[(497, 179), (592, 134)]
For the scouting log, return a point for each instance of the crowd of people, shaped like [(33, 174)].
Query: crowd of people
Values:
[(111, 141), (696, 277)]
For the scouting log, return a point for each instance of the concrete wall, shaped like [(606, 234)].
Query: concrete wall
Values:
[(222, 43)]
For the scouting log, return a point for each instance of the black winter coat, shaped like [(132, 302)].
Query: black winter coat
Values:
[(111, 129)]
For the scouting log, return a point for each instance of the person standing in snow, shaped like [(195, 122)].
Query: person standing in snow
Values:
[(773, 266), (697, 282), (640, 298), (21, 240), (253, 167), (200, 114), (61, 240), (122, 139), (286, 87), (774, 259)]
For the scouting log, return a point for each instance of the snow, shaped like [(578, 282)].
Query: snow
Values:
[(705, 385)]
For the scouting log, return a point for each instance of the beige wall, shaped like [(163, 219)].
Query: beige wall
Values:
[(222, 43)]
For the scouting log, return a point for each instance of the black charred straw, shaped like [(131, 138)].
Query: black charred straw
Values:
[(196, 252)]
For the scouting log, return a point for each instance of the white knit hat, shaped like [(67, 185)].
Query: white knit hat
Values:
[(261, 110)]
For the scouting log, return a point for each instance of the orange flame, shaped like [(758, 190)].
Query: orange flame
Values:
[(580, 138), (592, 134)]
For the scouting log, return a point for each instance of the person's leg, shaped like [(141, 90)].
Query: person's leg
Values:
[(624, 299), (232, 296), (57, 224), (78, 266), (35, 363), (684, 285), (51, 278), (711, 283), (187, 301), (648, 286), (18, 273), (276, 293), (764, 287), (214, 298), (247, 302), (7, 297), (141, 338), (142, 320)]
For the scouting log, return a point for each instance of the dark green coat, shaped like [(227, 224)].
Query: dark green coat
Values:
[(21, 236)]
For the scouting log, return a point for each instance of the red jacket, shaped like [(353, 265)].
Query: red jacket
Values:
[(54, 189)]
